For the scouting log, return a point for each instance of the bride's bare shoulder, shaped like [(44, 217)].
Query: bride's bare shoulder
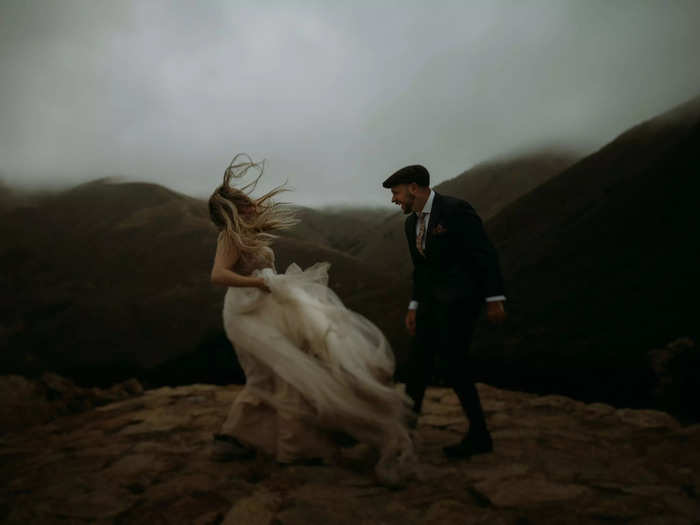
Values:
[(226, 252)]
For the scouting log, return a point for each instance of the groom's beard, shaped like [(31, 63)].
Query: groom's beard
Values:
[(408, 206)]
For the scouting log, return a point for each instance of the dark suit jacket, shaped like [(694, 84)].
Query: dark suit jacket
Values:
[(460, 267)]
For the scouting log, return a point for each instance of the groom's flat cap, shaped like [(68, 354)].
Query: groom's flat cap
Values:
[(414, 173)]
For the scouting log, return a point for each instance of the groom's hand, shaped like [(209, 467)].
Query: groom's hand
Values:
[(495, 312), (411, 322)]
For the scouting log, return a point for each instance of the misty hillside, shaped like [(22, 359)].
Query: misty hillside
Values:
[(113, 276), (6, 196), (11, 198), (344, 229), (106, 278), (601, 263), (488, 187)]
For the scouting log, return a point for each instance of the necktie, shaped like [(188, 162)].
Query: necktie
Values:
[(421, 233)]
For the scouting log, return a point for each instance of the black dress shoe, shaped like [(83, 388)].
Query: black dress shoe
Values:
[(226, 448), (469, 447)]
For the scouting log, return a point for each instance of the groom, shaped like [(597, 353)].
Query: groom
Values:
[(456, 271)]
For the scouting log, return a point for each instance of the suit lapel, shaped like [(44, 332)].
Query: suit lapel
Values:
[(411, 226), (434, 221)]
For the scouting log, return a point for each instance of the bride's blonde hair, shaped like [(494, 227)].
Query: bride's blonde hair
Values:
[(248, 233)]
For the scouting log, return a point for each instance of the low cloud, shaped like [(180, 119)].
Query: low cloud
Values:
[(333, 97)]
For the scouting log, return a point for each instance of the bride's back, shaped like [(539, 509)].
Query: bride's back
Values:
[(247, 263)]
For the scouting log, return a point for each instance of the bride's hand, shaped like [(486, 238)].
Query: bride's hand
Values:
[(261, 284), (495, 312)]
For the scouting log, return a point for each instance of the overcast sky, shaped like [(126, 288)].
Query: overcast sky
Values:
[(335, 98)]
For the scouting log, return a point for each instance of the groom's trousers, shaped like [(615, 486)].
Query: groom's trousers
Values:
[(445, 332)]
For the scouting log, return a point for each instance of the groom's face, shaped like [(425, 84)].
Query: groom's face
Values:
[(401, 195)]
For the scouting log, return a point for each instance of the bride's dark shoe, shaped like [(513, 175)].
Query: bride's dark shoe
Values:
[(303, 462), (469, 447), (226, 448)]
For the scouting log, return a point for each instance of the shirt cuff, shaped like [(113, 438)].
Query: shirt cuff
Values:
[(413, 305), (496, 298)]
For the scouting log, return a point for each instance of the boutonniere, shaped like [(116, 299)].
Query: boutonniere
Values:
[(439, 230)]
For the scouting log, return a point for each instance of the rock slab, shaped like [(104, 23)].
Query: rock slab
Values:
[(146, 459)]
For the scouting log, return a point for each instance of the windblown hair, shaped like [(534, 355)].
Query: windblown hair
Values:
[(248, 234)]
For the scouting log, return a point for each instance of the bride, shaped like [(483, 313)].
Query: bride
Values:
[(314, 369)]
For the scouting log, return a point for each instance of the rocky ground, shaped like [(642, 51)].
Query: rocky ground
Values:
[(27, 402), (147, 459)]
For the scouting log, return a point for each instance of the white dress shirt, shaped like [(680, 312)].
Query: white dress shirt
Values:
[(427, 208)]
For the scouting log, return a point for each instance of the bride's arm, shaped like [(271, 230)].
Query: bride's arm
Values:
[(226, 256)]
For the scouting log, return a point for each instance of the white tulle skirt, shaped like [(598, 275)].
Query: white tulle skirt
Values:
[(313, 368)]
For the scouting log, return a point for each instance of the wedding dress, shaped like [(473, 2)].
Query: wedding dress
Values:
[(313, 369)]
